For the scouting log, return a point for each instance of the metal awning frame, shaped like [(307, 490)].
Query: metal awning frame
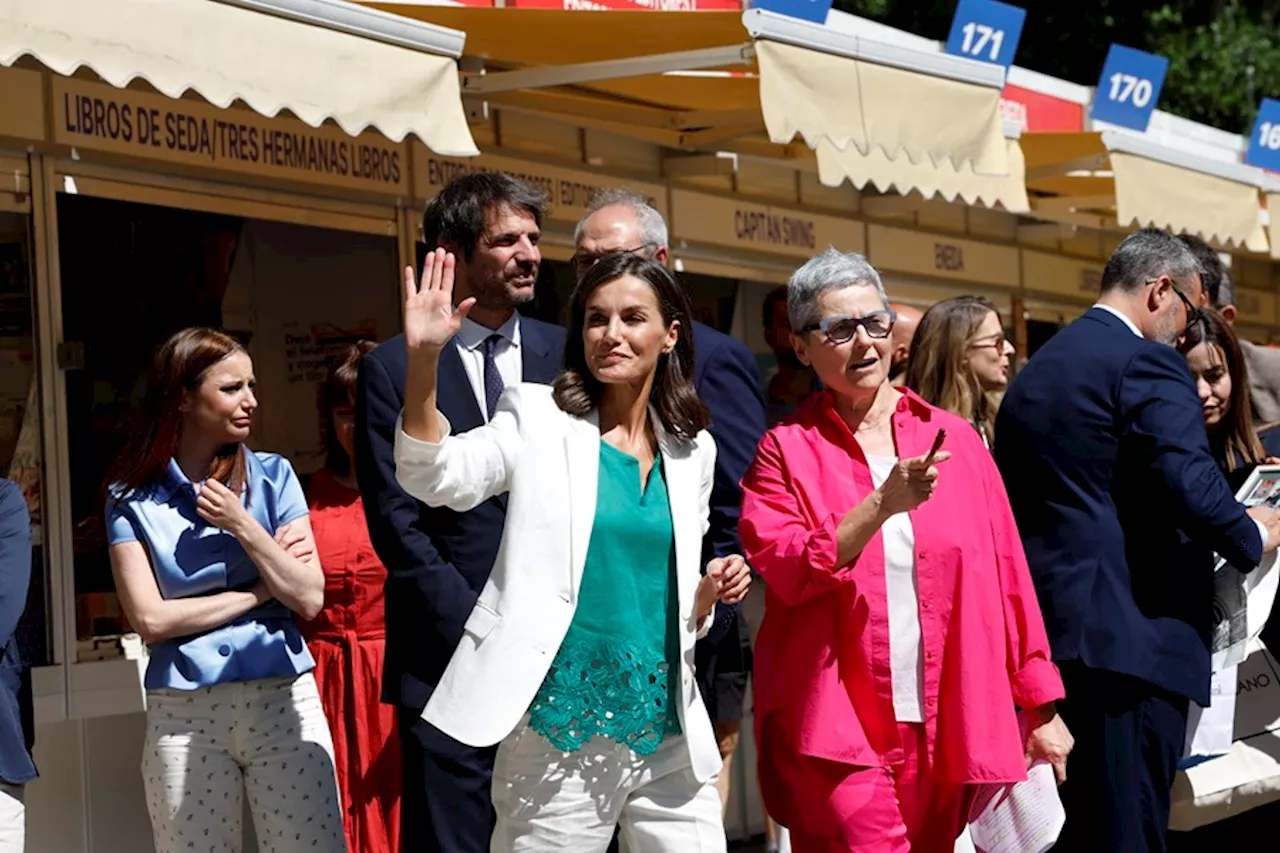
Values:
[(346, 17), (759, 25)]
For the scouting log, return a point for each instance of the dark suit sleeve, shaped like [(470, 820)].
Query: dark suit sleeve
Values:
[(413, 563), (15, 558), (1162, 415), (730, 388)]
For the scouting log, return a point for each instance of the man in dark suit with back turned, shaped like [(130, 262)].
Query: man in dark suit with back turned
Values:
[(727, 381), (1103, 449), (438, 560)]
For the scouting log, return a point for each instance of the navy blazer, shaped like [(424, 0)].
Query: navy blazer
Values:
[(1102, 445), (437, 560), (726, 378), (16, 766)]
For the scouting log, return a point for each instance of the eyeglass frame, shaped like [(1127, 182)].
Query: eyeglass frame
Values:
[(1194, 314), (597, 258), (824, 326)]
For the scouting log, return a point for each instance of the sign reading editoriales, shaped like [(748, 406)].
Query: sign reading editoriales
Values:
[(193, 133), (568, 191), (1264, 143), (1129, 87), (741, 224), (986, 30)]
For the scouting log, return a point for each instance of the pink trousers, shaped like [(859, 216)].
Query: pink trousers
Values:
[(831, 807)]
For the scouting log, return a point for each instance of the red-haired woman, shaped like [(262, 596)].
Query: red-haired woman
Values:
[(348, 638), (232, 707)]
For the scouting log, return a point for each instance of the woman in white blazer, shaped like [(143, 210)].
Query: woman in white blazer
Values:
[(578, 656)]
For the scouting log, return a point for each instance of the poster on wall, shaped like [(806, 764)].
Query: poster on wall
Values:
[(312, 292)]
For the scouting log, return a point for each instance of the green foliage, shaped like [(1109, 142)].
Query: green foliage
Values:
[(1218, 71), (1224, 56)]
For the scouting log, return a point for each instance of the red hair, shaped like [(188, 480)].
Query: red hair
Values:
[(179, 367)]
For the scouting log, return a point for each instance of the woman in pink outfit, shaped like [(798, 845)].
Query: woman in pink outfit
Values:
[(901, 635)]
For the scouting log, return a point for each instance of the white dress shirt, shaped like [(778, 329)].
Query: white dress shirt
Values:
[(1133, 327), (905, 661), (470, 341)]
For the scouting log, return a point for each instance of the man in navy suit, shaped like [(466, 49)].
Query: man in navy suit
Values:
[(437, 560), (726, 379), (1103, 450)]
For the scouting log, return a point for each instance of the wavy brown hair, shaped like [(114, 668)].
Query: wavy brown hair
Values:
[(577, 391), (179, 368), (1235, 437), (338, 390), (937, 369)]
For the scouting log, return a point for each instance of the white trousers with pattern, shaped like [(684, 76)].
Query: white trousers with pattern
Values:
[(268, 740)]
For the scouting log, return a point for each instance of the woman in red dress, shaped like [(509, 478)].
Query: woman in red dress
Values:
[(347, 639)]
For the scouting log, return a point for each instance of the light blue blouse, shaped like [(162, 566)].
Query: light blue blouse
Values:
[(192, 558)]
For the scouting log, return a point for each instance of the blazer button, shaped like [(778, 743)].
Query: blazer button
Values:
[(224, 650)]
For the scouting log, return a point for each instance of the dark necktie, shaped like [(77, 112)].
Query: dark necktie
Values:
[(492, 378)]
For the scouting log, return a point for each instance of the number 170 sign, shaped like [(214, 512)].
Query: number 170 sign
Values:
[(1129, 87)]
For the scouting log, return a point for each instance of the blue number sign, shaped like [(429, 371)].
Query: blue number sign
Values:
[(806, 10), (986, 30), (1264, 144), (1129, 87)]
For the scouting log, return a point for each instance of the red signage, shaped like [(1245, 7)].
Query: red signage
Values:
[(1040, 113), (643, 5)]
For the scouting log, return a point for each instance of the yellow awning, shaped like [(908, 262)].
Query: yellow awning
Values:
[(748, 83), (1116, 180), (932, 121), (1273, 215), (903, 176), (321, 61)]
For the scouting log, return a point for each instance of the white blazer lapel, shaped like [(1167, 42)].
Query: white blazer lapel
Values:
[(582, 453), (684, 485)]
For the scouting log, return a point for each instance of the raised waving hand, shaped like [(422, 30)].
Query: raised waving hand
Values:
[(430, 319)]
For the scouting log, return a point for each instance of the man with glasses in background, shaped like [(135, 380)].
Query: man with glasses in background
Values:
[(726, 379), (1120, 506)]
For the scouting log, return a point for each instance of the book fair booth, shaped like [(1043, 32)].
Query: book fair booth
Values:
[(258, 182)]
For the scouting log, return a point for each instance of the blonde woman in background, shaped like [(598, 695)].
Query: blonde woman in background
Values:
[(960, 361)]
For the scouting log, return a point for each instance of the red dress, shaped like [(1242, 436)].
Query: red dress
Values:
[(348, 642)]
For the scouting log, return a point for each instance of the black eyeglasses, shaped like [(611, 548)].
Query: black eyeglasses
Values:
[(583, 261), (841, 328), (1194, 314)]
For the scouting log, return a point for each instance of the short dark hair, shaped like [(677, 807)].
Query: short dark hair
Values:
[(456, 215), (771, 300), (339, 389), (1213, 272), (1146, 254), (673, 396)]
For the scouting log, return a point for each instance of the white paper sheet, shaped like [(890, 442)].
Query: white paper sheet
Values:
[(1211, 730), (1025, 817)]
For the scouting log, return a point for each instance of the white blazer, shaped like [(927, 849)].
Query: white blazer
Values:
[(548, 462)]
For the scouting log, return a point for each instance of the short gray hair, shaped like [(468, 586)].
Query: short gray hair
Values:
[(653, 228), (830, 270), (1147, 254)]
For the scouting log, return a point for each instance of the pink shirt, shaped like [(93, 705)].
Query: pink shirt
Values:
[(822, 665)]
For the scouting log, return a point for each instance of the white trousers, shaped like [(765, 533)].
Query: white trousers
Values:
[(570, 802), (208, 748), (13, 818)]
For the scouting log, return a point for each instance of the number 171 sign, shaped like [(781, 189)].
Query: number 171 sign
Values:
[(987, 31), (1129, 87)]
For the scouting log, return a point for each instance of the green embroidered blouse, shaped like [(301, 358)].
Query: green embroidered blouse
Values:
[(612, 676)]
